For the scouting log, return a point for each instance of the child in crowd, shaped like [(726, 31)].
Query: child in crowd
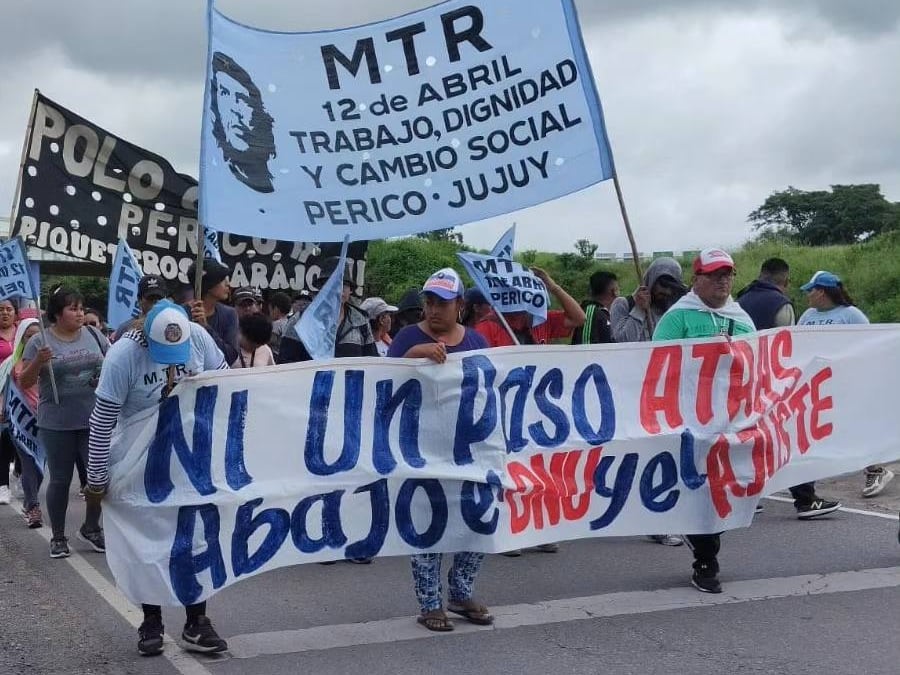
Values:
[(254, 333)]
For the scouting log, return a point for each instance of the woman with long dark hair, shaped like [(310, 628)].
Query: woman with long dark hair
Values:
[(830, 304), (76, 353)]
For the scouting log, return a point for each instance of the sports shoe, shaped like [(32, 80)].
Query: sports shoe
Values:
[(359, 561), (666, 539), (547, 548), (876, 481), (150, 636), (33, 517), (515, 553), (705, 579), (759, 508), (4, 494), (59, 547), (200, 636), (94, 539), (817, 507)]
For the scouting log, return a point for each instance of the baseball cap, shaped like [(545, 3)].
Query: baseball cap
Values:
[(168, 333), (712, 259), (375, 307), (243, 294), (821, 279), (152, 286), (445, 283)]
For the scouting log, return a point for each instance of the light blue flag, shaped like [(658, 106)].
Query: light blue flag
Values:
[(15, 271), (211, 244), (449, 115), (123, 286), (508, 285), (318, 326), (505, 245), (23, 424)]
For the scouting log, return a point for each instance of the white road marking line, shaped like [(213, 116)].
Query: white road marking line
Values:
[(182, 661), (398, 629), (860, 512)]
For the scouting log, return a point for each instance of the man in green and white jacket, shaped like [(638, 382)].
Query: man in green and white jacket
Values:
[(707, 310)]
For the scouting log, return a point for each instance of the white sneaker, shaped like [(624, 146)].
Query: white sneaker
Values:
[(876, 481), (4, 494)]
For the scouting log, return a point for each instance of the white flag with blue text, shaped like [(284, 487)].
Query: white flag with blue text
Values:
[(505, 245), (317, 328), (508, 285)]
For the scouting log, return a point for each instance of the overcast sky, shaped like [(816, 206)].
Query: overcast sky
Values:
[(710, 104)]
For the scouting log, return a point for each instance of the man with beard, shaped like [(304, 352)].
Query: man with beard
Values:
[(241, 126), (634, 318)]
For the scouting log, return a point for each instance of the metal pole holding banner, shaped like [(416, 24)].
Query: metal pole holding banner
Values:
[(634, 250), (506, 326), (29, 130), (53, 389)]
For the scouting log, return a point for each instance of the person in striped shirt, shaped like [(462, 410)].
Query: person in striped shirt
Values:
[(139, 372)]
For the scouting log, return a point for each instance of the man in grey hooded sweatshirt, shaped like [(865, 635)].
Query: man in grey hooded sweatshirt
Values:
[(634, 318)]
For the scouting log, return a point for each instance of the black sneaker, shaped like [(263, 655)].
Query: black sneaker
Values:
[(150, 636), (705, 580), (93, 538), (59, 547), (817, 507), (200, 636)]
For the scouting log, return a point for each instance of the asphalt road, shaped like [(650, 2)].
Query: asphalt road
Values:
[(817, 597)]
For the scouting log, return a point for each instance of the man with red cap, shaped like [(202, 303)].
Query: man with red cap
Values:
[(707, 310)]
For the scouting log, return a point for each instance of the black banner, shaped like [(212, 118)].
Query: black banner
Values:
[(83, 188)]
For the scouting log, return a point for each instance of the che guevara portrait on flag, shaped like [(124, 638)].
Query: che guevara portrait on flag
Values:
[(242, 126)]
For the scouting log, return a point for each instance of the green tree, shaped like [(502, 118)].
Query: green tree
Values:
[(847, 214), (447, 234), (586, 249)]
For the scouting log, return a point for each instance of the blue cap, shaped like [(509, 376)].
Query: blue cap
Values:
[(821, 279), (168, 332), (445, 284)]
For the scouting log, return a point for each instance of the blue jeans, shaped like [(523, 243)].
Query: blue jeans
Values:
[(426, 570)]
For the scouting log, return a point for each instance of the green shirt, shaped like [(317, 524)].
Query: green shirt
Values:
[(681, 324)]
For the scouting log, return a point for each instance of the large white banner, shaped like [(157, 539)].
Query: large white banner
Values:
[(458, 112), (245, 471)]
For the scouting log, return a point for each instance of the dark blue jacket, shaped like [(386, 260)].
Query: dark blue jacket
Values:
[(762, 300)]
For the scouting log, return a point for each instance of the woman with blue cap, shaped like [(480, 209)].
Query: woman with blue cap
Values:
[(831, 305), (140, 370)]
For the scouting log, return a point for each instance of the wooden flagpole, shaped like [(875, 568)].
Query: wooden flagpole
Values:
[(198, 266), (634, 249)]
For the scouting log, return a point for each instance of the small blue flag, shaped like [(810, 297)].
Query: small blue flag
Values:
[(318, 326), (505, 245), (15, 272), (123, 286), (507, 285)]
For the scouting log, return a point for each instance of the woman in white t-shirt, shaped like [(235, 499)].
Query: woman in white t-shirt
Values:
[(831, 305)]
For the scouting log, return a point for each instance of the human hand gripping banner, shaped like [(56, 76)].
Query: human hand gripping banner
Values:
[(242, 472), (456, 113)]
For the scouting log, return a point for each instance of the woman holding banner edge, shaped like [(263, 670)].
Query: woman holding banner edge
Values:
[(437, 335), (130, 383)]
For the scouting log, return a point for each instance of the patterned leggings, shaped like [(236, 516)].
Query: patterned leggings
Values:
[(426, 570)]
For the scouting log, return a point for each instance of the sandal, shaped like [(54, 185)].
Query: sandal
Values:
[(472, 611), (436, 621)]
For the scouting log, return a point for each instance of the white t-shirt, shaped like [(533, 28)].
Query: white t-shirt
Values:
[(835, 316), (131, 379)]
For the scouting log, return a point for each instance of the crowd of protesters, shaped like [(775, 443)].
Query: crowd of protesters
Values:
[(96, 382)]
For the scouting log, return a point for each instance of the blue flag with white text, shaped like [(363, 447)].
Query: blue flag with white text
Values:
[(15, 271), (318, 326), (123, 286), (23, 424), (505, 245), (458, 112), (211, 244), (508, 285)]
